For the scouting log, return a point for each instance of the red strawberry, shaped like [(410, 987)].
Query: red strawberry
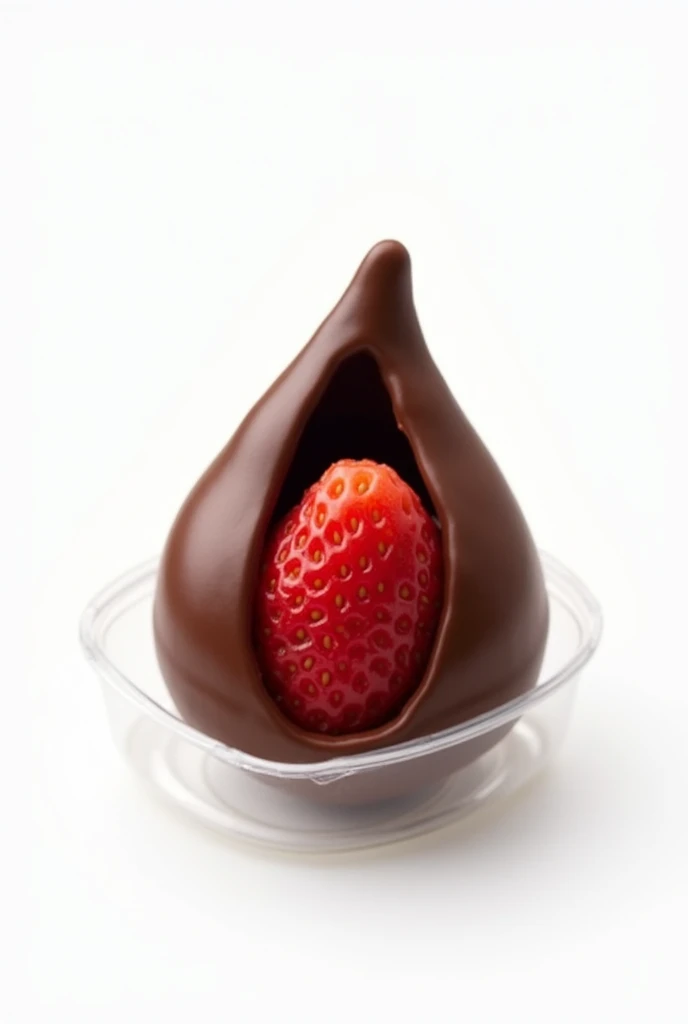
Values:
[(349, 600)]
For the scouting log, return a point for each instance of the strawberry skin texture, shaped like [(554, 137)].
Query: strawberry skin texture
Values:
[(348, 600)]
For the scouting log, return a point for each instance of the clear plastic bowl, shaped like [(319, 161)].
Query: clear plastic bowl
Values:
[(349, 802)]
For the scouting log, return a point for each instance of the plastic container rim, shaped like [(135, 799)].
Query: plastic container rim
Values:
[(569, 589)]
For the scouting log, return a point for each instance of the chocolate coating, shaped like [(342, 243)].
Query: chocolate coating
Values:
[(365, 386)]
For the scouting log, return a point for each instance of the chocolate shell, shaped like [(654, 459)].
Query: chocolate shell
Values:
[(365, 386)]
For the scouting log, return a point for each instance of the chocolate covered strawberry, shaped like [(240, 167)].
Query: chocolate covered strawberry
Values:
[(349, 600)]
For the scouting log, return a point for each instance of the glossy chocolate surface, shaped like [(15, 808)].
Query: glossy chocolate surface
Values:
[(365, 386)]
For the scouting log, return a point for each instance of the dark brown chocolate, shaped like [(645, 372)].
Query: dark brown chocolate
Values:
[(365, 386)]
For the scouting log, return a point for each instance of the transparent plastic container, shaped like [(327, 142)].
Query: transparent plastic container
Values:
[(349, 802)]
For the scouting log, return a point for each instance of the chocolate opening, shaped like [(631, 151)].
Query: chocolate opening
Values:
[(353, 419)]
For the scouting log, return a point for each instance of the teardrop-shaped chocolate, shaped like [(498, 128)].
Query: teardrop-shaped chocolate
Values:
[(365, 386)]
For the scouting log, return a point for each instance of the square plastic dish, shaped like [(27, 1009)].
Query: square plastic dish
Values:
[(323, 806)]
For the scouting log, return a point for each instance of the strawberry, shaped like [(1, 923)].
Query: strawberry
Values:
[(349, 600)]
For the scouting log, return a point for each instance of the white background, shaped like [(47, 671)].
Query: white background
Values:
[(186, 189)]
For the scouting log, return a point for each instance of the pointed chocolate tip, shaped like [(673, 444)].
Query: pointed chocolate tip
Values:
[(381, 290), (390, 250), (388, 257)]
